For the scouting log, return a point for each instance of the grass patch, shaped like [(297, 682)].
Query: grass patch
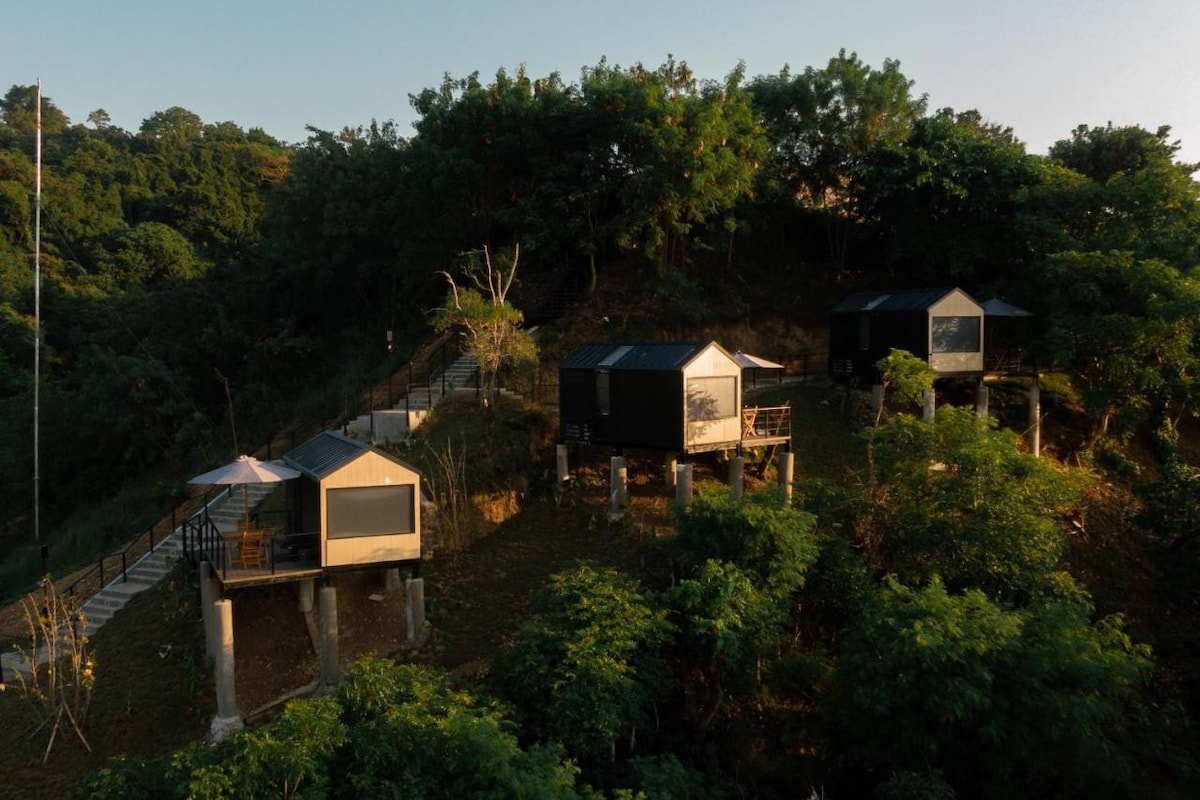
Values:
[(153, 694)]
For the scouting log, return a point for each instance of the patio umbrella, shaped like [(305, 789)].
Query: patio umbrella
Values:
[(246, 470)]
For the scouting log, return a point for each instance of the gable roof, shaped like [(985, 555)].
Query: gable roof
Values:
[(329, 451), (903, 300), (998, 308), (324, 453), (636, 356)]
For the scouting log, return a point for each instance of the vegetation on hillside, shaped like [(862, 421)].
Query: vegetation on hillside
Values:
[(916, 626)]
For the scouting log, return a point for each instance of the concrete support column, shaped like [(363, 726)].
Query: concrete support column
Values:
[(981, 400), (560, 459), (930, 398), (670, 462), (391, 579), (787, 463), (414, 610), (227, 719), (683, 483), (737, 476), (208, 596), (327, 683), (619, 486), (306, 590), (1035, 417)]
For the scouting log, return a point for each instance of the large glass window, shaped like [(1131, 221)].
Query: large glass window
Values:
[(370, 511), (956, 334), (603, 405), (711, 398)]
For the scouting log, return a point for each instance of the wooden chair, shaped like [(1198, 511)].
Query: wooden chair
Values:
[(252, 549), (749, 415)]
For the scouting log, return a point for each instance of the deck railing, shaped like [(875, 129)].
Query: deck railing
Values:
[(774, 422)]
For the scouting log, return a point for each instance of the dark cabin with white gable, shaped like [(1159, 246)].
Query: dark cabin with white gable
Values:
[(675, 397), (942, 326)]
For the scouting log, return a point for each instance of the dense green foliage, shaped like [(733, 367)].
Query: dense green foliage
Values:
[(918, 634)]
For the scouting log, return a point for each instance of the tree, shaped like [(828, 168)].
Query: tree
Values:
[(823, 122), (961, 500), (1145, 374), (743, 562), (683, 154), (18, 111), (491, 326), (1039, 700), (584, 671), (1123, 190), (947, 198)]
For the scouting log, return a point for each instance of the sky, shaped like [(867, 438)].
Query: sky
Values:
[(1041, 67)]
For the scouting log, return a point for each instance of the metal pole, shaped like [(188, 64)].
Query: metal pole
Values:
[(37, 326)]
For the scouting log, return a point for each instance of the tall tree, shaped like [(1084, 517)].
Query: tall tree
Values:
[(821, 124)]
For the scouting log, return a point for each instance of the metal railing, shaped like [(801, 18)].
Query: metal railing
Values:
[(766, 423)]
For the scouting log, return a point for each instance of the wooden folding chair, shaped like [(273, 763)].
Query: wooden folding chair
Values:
[(252, 549)]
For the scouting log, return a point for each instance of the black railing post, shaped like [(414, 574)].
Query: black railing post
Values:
[(151, 532), (101, 576), (124, 573)]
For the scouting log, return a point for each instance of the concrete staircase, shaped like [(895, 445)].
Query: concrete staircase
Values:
[(396, 423), (227, 510)]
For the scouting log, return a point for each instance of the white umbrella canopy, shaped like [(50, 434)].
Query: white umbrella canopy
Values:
[(246, 469)]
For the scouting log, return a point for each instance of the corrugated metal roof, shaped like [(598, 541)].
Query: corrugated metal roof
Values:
[(998, 308), (642, 356), (323, 454), (905, 300)]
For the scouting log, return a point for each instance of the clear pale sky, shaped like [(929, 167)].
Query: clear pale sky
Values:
[(1040, 66)]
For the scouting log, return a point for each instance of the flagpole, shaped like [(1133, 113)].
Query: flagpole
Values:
[(37, 333)]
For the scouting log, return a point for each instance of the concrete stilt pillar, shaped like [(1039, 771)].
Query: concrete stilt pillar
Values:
[(981, 400), (227, 719), (930, 398), (560, 459), (327, 684), (619, 483), (391, 579), (306, 590), (876, 396), (737, 476), (1035, 418), (208, 596), (414, 610), (670, 463), (787, 462), (683, 483)]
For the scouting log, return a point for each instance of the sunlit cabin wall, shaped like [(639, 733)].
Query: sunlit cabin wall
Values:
[(371, 469)]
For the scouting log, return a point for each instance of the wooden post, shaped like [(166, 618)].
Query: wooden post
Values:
[(1035, 417), (227, 719), (737, 476), (683, 483), (327, 683)]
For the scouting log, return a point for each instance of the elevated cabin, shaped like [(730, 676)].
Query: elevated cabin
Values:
[(352, 507), (943, 326), (676, 397), (363, 505)]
